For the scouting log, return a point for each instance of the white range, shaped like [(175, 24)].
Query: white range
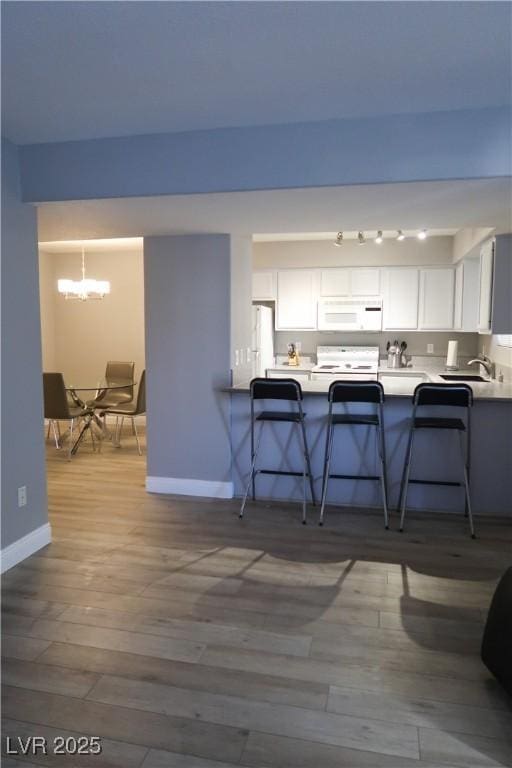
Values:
[(349, 363)]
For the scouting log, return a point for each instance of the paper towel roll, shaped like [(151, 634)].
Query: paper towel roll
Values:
[(451, 357)]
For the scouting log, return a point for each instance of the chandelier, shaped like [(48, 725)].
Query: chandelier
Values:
[(83, 289)]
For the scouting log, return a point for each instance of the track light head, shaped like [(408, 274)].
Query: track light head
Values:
[(400, 235), (339, 239), (361, 238), (379, 237), (422, 234)]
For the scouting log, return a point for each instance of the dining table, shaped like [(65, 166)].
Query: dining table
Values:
[(91, 404)]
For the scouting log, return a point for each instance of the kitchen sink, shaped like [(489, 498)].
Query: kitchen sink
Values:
[(461, 377)]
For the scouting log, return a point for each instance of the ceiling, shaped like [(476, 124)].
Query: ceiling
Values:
[(297, 213), (78, 70)]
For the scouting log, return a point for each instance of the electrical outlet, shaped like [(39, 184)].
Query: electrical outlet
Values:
[(237, 357), (248, 354), (22, 496), (430, 349)]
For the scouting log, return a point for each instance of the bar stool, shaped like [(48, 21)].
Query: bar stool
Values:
[(454, 395), (278, 389), (356, 392)]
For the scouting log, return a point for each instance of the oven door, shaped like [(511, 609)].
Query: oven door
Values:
[(336, 315)]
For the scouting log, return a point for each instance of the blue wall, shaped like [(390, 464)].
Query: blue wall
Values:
[(422, 147), (22, 385), (187, 300)]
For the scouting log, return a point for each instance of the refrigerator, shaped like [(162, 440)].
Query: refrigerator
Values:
[(262, 340)]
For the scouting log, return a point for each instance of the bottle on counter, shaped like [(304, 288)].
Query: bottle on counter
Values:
[(293, 355)]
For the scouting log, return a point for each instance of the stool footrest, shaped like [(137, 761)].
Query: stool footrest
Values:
[(279, 472), (436, 482), (355, 477)]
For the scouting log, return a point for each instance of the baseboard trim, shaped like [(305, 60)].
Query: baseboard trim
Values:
[(181, 486), (19, 550)]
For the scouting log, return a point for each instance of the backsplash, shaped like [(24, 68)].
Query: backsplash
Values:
[(416, 342)]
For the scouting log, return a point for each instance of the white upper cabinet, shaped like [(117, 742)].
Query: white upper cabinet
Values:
[(459, 296), (486, 277), (350, 282), (465, 314), (264, 285), (365, 282), (495, 305), (436, 298), (400, 298), (335, 282), (297, 297)]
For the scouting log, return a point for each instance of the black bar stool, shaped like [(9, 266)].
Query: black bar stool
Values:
[(456, 396), (356, 392), (278, 389)]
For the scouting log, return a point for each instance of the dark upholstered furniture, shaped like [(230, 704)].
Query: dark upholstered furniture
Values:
[(497, 639)]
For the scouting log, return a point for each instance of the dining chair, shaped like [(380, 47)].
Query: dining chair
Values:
[(57, 408), (121, 412), (115, 371)]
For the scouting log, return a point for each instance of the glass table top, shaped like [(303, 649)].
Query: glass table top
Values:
[(101, 384)]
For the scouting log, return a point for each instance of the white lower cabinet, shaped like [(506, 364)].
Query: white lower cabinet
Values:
[(297, 299), (400, 298), (436, 298)]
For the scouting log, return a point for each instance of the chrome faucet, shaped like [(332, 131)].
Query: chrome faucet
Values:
[(486, 364)]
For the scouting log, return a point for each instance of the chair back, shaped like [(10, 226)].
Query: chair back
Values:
[(455, 395), (356, 392), (276, 389), (56, 404), (116, 370), (141, 395)]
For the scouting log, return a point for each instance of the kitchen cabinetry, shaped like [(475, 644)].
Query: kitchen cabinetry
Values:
[(400, 298), (465, 314), (350, 282), (297, 297), (264, 286), (436, 298), (495, 286), (485, 292), (458, 296)]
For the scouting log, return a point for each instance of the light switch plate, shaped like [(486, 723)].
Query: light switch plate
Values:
[(22, 496), (430, 349)]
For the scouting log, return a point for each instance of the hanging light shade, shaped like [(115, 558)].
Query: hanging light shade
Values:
[(84, 289)]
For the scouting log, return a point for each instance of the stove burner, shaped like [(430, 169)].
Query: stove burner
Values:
[(327, 367)]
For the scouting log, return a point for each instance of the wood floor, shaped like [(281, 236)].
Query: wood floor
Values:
[(183, 637)]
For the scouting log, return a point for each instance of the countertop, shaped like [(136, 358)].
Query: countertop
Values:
[(401, 382)]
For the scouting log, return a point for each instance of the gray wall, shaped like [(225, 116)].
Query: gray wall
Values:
[(187, 299), (22, 389)]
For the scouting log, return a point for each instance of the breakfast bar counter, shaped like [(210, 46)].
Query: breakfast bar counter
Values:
[(435, 457)]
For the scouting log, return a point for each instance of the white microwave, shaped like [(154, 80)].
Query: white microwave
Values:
[(357, 314)]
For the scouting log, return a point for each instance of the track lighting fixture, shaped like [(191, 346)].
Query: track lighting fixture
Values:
[(339, 239), (400, 235), (422, 234), (379, 237), (361, 238)]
